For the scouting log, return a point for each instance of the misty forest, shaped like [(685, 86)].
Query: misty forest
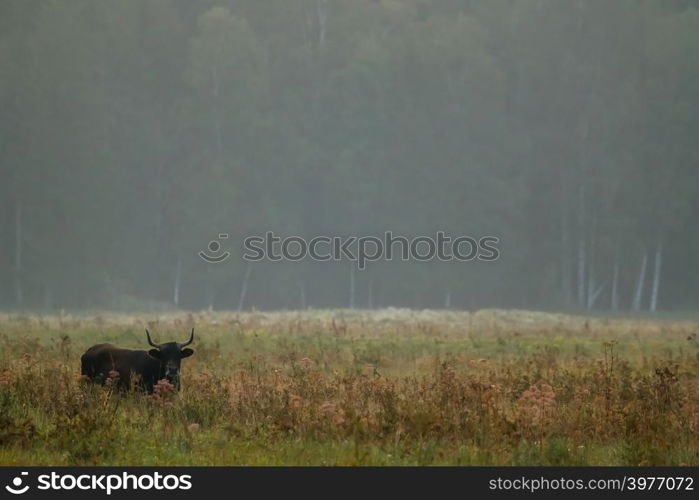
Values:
[(134, 132)]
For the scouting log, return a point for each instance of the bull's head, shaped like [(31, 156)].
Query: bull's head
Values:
[(170, 355)]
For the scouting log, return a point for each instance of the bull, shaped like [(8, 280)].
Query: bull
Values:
[(106, 361)]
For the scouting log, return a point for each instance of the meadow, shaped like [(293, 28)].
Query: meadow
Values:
[(384, 387)]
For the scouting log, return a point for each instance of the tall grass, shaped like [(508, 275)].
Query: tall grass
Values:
[(358, 388)]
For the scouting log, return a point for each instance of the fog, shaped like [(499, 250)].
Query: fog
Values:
[(134, 133)]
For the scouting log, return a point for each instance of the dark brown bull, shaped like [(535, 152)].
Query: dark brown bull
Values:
[(148, 367)]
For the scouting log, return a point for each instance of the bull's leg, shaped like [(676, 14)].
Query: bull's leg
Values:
[(83, 366), (147, 383), (124, 381), (87, 366)]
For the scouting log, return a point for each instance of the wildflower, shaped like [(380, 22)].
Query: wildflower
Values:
[(112, 378), (163, 389), (328, 408), (295, 401), (5, 378), (306, 363), (534, 405), (581, 394)]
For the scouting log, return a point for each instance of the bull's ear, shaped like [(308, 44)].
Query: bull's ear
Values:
[(186, 352), (154, 353)]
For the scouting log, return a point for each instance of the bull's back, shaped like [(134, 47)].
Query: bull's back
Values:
[(99, 354), (92, 362), (101, 359)]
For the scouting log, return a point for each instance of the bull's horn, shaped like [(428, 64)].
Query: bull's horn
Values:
[(150, 341), (191, 338)]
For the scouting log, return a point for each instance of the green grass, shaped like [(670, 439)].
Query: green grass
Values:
[(390, 387)]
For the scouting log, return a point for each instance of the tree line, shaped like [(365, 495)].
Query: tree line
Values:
[(135, 132)]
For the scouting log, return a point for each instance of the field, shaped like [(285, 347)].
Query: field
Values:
[(387, 387)]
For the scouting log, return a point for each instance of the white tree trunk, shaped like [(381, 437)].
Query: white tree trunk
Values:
[(592, 291), (615, 286), (447, 300), (19, 293), (210, 298), (351, 301), (218, 134), (656, 277), (581, 272), (244, 287), (592, 297), (176, 288), (159, 204), (581, 248), (322, 18), (590, 287), (638, 296), (302, 293), (566, 278)]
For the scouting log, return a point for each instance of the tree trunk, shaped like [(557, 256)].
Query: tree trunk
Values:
[(581, 272), (322, 18), (158, 230), (590, 286), (656, 277), (581, 248), (592, 297), (176, 288), (210, 298), (615, 285), (244, 287), (351, 301), (565, 263), (370, 301), (638, 296), (217, 113), (592, 291), (302, 293), (19, 293)]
